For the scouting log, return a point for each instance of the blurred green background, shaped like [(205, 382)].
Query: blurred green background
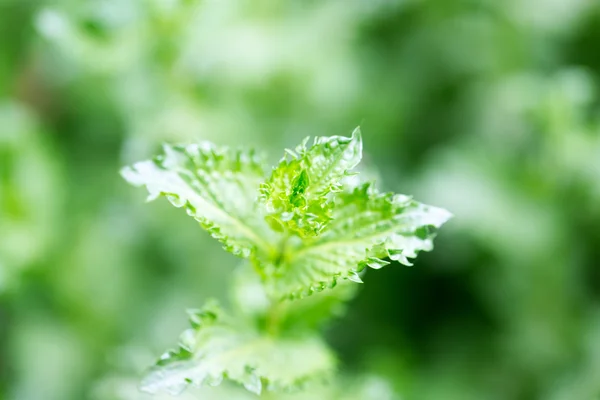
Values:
[(488, 108)]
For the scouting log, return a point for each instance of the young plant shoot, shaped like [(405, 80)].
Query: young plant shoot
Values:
[(306, 229)]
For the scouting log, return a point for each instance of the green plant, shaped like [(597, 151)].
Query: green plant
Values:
[(306, 232)]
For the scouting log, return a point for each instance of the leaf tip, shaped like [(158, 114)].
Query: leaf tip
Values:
[(357, 134), (442, 216), (130, 175)]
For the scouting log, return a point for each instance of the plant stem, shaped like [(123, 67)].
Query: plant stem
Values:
[(268, 395), (274, 318)]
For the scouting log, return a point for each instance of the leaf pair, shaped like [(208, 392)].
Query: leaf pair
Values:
[(219, 346), (303, 227)]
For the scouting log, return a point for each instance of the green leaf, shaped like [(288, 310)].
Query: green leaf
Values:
[(366, 227), (298, 195), (314, 312), (250, 298), (216, 186), (218, 346)]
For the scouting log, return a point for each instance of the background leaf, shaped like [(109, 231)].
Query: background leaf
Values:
[(219, 347)]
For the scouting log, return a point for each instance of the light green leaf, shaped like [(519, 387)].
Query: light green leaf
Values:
[(298, 195), (217, 186), (219, 347), (250, 298), (366, 227)]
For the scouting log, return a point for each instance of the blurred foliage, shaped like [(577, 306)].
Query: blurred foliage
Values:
[(487, 108)]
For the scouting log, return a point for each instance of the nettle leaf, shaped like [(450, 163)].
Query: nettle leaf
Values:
[(298, 195), (366, 227), (217, 186), (249, 296), (218, 346)]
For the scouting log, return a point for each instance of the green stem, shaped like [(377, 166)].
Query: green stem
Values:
[(258, 270), (268, 395), (276, 310), (274, 318)]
